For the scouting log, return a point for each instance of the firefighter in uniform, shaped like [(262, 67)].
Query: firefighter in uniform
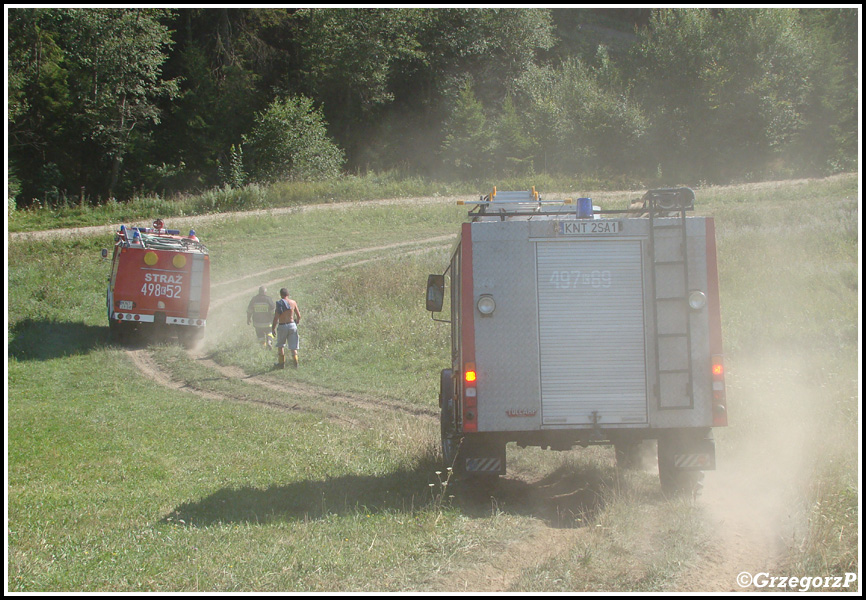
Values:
[(285, 326), (259, 312)]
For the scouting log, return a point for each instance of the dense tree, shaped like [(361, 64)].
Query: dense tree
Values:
[(387, 77), (117, 56), (830, 137), (40, 106), (349, 57), (729, 92), (90, 78), (466, 150), (580, 125), (106, 101), (511, 146), (231, 63)]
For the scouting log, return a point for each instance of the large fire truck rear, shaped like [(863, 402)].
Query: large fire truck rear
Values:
[(574, 326), (159, 286)]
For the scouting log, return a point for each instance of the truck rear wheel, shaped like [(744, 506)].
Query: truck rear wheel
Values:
[(123, 333), (115, 333), (191, 337), (448, 427), (450, 439), (628, 454)]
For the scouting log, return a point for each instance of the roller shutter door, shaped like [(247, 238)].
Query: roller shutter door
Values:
[(591, 332)]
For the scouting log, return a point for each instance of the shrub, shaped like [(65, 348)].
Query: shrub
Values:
[(289, 141)]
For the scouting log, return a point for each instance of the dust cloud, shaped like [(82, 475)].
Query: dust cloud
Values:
[(777, 436)]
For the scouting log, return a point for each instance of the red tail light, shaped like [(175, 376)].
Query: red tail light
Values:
[(470, 398), (720, 409)]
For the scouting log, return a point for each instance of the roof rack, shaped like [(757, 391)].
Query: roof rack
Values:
[(513, 204), (159, 239), (528, 203)]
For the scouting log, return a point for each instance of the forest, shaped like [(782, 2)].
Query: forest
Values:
[(117, 103)]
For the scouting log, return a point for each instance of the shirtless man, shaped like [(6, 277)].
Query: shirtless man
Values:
[(285, 326)]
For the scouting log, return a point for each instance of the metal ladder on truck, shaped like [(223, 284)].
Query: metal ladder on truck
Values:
[(670, 284)]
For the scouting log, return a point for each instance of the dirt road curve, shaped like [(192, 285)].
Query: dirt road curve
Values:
[(184, 222), (314, 260)]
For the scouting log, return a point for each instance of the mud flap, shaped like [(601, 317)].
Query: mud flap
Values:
[(479, 456), (696, 455), (683, 458)]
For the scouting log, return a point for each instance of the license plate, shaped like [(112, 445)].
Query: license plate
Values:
[(126, 305), (590, 226)]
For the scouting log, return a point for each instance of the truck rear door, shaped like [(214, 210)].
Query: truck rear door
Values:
[(591, 328)]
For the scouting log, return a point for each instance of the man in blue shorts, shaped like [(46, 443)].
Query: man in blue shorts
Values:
[(285, 326)]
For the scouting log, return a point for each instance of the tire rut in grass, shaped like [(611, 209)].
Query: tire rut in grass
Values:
[(368, 404), (149, 368), (316, 260), (317, 395), (197, 220)]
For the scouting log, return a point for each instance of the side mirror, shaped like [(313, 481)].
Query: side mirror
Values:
[(104, 253), (435, 292)]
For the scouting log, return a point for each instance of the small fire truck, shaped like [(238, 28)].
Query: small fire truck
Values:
[(573, 326), (159, 286)]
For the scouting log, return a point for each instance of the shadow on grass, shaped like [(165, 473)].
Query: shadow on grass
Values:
[(568, 497), (400, 491), (565, 498), (44, 340)]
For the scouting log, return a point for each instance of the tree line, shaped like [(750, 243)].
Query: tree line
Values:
[(113, 103)]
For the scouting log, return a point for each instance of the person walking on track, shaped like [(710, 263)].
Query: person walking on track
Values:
[(285, 326), (259, 312)]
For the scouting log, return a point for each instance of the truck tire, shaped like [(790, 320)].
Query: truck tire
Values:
[(115, 333), (628, 454), (191, 337), (447, 421)]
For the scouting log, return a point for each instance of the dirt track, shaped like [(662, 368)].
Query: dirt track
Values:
[(193, 221), (183, 222)]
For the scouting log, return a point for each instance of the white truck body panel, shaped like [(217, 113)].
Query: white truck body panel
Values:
[(572, 342)]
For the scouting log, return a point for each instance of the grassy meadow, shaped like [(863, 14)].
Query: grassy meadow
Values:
[(158, 470)]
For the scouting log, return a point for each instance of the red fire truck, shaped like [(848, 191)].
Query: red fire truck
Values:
[(574, 326), (159, 286)]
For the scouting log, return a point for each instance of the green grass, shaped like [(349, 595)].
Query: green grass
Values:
[(120, 485), (124, 486), (279, 482)]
